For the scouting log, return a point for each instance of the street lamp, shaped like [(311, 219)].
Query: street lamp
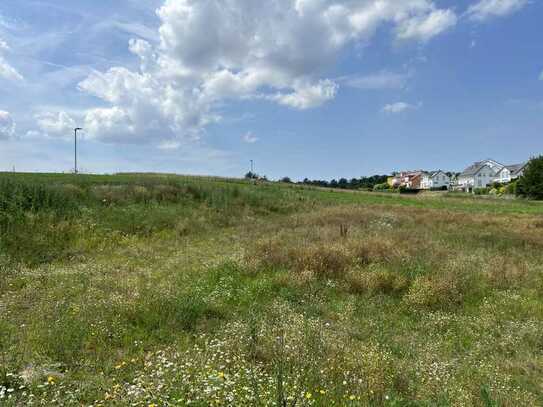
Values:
[(75, 147)]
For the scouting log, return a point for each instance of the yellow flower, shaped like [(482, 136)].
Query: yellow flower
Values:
[(308, 395), (51, 380), (153, 405), (221, 375), (322, 391), (351, 397)]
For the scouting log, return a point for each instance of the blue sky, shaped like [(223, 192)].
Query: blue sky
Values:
[(306, 88)]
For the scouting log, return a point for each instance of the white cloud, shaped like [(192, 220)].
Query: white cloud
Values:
[(399, 107), (486, 9), (308, 96), (379, 80), (214, 50), (56, 124), (6, 70), (425, 27), (249, 138), (7, 125)]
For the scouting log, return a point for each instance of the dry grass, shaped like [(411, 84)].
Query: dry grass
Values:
[(173, 294)]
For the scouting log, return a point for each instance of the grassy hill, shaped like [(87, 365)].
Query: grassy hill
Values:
[(142, 289)]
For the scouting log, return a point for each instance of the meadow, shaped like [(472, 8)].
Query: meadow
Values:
[(163, 290)]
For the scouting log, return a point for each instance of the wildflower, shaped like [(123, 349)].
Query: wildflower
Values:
[(351, 397), (308, 395), (50, 380), (322, 391), (221, 375), (153, 405)]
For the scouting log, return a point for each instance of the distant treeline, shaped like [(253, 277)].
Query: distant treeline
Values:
[(354, 183), (342, 183)]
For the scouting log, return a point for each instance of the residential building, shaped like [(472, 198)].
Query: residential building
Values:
[(478, 175), (510, 173), (415, 180), (407, 179), (393, 181), (435, 180)]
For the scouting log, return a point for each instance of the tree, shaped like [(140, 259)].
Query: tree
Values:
[(251, 175), (343, 183), (286, 180), (530, 185)]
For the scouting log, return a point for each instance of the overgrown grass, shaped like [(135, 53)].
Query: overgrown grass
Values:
[(149, 289)]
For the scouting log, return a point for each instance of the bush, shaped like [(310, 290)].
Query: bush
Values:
[(481, 191), (511, 189), (530, 185), (381, 187)]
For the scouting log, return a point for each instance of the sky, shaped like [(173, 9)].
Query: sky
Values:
[(306, 88)]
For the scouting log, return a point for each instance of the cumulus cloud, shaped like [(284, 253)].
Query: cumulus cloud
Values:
[(55, 124), (399, 107), (249, 138), (7, 125), (307, 96), (6, 70), (425, 27), (211, 51), (486, 9)]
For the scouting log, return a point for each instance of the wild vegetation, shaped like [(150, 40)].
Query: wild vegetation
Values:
[(530, 185), (157, 290)]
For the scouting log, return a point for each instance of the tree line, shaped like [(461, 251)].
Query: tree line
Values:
[(342, 183)]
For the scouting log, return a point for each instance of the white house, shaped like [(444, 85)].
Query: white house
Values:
[(435, 180), (510, 173), (478, 175)]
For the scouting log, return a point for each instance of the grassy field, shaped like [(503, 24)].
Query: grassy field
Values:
[(151, 290)]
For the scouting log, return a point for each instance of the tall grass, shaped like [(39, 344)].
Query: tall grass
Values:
[(43, 217), (148, 289)]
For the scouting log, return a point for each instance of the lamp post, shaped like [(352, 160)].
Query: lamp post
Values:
[(75, 147)]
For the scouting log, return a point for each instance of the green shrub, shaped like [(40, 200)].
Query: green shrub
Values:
[(381, 187), (511, 189), (530, 185), (481, 191)]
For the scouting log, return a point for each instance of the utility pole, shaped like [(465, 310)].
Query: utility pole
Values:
[(252, 167), (75, 147)]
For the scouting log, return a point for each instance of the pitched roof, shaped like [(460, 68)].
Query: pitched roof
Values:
[(476, 167), (473, 169), (515, 168), (434, 173)]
